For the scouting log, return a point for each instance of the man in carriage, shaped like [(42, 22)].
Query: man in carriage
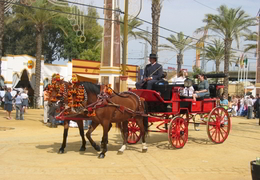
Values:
[(152, 73)]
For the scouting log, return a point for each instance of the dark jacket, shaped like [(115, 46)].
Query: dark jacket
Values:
[(149, 69), (8, 98)]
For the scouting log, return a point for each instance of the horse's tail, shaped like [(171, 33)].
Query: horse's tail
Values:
[(145, 118)]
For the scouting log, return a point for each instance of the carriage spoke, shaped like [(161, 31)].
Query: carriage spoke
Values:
[(222, 134), (216, 133), (219, 135), (224, 130)]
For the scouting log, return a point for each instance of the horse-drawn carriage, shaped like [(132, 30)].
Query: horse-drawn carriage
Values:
[(173, 112), (136, 110)]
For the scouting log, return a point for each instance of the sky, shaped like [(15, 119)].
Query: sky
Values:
[(177, 15)]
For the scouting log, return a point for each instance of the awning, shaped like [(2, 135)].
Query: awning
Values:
[(83, 77)]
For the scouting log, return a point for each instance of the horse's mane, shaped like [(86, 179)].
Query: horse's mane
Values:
[(89, 86)]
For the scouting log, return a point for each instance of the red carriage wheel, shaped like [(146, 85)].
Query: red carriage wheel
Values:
[(178, 132), (134, 133), (218, 125)]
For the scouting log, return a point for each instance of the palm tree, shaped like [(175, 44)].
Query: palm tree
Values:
[(180, 45), (229, 23), (156, 13), (132, 24), (2, 8), (39, 20), (251, 37), (215, 52)]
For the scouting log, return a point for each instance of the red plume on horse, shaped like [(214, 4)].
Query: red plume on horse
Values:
[(102, 107)]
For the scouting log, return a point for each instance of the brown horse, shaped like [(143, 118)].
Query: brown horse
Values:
[(117, 109)]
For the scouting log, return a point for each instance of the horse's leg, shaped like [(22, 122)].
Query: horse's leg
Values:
[(125, 137), (139, 121), (65, 135), (81, 132), (88, 135), (104, 142)]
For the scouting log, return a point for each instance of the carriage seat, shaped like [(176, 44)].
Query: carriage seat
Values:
[(198, 99), (165, 89)]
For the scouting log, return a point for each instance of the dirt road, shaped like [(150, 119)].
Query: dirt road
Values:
[(28, 150)]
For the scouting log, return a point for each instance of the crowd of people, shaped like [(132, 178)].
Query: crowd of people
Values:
[(245, 106), (17, 100)]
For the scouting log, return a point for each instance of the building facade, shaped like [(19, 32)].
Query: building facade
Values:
[(18, 71)]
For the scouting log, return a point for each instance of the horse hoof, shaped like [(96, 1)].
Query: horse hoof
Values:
[(120, 152), (82, 149), (97, 148), (61, 151), (101, 156), (144, 150)]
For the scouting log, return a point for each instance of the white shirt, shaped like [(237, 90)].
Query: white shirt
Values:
[(249, 102), (188, 91), (180, 80), (24, 96)]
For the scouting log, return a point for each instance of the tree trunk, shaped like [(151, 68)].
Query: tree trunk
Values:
[(217, 66), (228, 42), (38, 69), (179, 62), (217, 71), (156, 12), (2, 8)]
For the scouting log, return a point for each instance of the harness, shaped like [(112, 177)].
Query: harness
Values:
[(104, 100)]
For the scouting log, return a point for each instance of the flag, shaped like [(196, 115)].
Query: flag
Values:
[(245, 62), (237, 62), (242, 61)]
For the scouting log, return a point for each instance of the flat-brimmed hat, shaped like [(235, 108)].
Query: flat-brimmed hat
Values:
[(153, 56)]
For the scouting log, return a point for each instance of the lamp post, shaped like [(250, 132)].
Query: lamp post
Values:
[(124, 76), (145, 53), (258, 57)]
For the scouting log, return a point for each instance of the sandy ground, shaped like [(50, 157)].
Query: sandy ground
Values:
[(28, 150)]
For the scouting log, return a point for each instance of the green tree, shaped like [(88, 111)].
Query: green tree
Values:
[(2, 27), (88, 49), (229, 23), (180, 44), (39, 20), (156, 13), (15, 40), (251, 37)]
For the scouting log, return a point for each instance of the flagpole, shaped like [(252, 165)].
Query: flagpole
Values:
[(247, 72), (238, 73)]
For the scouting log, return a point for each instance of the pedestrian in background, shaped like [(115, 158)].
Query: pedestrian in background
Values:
[(46, 106), (18, 106), (249, 107), (256, 106), (8, 103), (25, 102)]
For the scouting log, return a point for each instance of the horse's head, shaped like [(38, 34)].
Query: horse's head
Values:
[(91, 91)]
